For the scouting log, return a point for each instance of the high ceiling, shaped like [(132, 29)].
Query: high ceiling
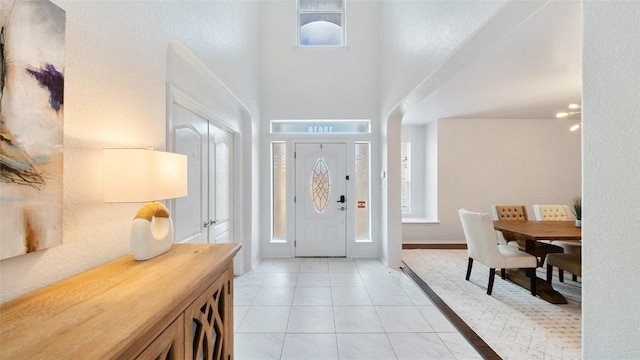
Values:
[(531, 72)]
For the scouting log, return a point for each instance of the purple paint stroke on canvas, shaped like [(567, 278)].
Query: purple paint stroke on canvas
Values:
[(52, 80)]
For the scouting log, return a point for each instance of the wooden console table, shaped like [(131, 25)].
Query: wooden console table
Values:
[(178, 305)]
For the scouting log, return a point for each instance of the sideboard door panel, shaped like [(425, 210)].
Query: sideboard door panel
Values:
[(168, 346), (209, 322)]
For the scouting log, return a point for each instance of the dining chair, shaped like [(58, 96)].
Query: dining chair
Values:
[(519, 213), (552, 213), (558, 213), (564, 262), (508, 213), (482, 245)]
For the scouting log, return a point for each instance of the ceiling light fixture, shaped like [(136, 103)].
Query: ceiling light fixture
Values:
[(564, 114)]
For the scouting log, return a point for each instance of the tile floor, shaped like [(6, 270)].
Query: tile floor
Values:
[(319, 308)]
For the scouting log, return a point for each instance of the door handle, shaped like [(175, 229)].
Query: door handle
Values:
[(210, 222), (342, 199)]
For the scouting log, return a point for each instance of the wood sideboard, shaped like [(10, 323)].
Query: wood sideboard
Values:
[(178, 305)]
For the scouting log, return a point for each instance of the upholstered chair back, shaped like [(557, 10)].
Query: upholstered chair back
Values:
[(508, 213), (552, 213)]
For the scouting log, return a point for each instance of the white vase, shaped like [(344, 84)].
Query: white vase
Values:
[(579, 223)]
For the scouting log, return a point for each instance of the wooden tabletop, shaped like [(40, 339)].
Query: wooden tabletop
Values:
[(542, 230)]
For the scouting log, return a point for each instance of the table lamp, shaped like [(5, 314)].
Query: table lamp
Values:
[(145, 175)]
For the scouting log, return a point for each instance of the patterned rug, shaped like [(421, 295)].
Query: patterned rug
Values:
[(513, 323)]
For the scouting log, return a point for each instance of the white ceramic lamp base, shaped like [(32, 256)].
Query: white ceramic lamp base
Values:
[(151, 232)]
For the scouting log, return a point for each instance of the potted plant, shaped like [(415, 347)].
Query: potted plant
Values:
[(576, 208)]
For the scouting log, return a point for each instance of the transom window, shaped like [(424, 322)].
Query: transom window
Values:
[(321, 22), (320, 127)]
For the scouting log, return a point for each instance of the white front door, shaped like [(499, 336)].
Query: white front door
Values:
[(320, 193)]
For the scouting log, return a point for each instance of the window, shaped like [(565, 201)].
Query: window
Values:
[(419, 173), (320, 186), (279, 190), (321, 22), (363, 228), (320, 127), (405, 176)]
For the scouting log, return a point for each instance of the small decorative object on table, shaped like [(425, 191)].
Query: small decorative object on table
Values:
[(576, 207)]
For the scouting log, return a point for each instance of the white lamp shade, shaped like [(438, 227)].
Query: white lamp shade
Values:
[(140, 175)]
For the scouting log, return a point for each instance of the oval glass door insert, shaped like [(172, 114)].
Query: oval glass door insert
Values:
[(320, 186)]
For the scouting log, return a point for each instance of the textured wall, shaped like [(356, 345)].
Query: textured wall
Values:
[(115, 97), (417, 37), (611, 176)]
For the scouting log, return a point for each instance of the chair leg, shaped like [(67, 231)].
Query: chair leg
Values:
[(532, 275), (561, 275), (469, 268), (549, 273), (541, 263), (503, 274), (492, 274)]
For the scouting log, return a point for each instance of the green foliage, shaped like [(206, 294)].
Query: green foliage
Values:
[(576, 207)]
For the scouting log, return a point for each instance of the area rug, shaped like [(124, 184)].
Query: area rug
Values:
[(513, 323)]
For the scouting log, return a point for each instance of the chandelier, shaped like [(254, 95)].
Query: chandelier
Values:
[(574, 109)]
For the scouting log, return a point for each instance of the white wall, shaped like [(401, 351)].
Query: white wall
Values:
[(416, 37), (115, 96), (316, 83), (503, 161), (611, 161)]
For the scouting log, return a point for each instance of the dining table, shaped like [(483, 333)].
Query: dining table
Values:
[(529, 234)]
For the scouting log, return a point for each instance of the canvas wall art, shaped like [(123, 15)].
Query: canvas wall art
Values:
[(31, 125)]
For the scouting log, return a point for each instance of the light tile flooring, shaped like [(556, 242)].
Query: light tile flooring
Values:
[(319, 308)]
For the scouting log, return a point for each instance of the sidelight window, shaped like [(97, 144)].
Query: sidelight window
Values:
[(279, 190), (362, 212)]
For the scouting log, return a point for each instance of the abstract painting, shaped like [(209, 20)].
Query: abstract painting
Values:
[(31, 125)]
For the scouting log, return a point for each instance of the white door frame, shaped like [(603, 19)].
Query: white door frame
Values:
[(284, 247)]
